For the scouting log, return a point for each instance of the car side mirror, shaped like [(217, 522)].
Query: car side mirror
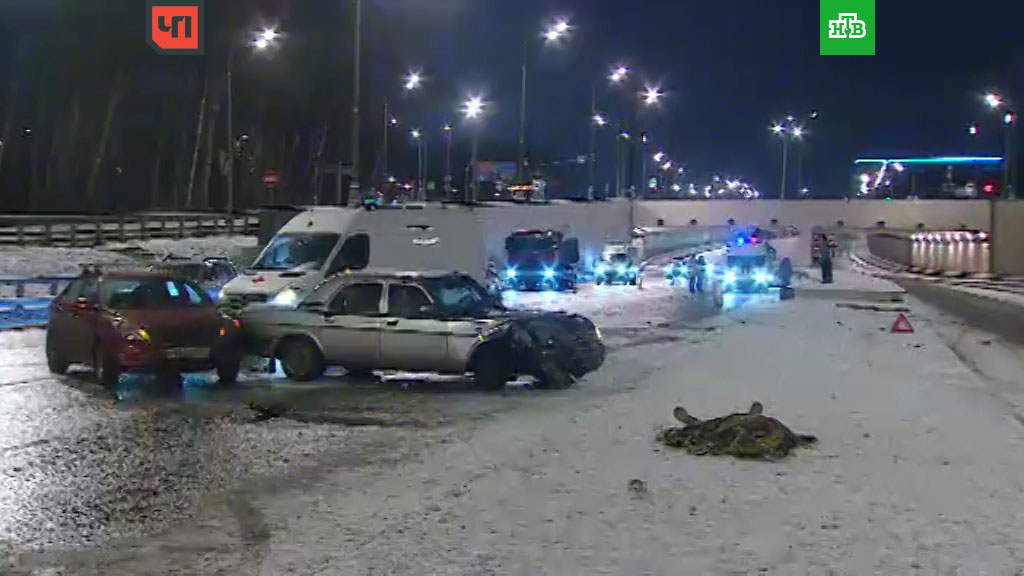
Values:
[(428, 310), (84, 305)]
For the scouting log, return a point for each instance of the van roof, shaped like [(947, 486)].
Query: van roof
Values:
[(389, 273)]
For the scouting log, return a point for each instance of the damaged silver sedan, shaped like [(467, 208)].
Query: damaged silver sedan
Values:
[(440, 322)]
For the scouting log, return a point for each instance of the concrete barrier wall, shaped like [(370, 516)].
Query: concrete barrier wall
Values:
[(892, 247), (796, 248), (1007, 242), (898, 214)]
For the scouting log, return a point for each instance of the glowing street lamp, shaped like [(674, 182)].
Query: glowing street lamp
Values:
[(652, 95), (972, 129), (557, 31), (416, 134), (618, 74), (992, 100), (412, 81), (473, 107), (265, 39), (599, 120), (659, 156)]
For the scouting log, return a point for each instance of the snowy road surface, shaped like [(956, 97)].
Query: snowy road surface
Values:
[(917, 470)]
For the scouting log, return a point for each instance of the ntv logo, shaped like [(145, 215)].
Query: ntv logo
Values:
[(847, 26)]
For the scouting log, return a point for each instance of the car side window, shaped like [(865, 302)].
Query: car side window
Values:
[(224, 271), (74, 290), (357, 300), (90, 289), (353, 254), (406, 301)]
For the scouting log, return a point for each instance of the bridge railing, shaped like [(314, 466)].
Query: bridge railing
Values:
[(88, 231)]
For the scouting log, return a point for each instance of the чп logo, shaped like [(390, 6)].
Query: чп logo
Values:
[(175, 26)]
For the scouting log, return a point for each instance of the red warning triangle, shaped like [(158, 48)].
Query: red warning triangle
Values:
[(902, 325)]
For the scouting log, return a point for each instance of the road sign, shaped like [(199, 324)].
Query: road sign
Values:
[(902, 325), (270, 179)]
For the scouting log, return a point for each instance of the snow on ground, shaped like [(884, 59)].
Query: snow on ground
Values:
[(51, 261), (1013, 298), (810, 280), (916, 471)]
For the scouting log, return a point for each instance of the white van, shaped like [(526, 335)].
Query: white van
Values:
[(324, 241)]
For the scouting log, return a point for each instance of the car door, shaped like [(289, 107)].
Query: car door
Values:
[(82, 327), (61, 324), (349, 330), (412, 338)]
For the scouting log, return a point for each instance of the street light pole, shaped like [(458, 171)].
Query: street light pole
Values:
[(354, 194), (447, 128), (785, 161), (521, 160), (230, 167), (384, 159), (592, 150), (475, 182)]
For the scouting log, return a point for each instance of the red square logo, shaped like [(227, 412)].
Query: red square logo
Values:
[(175, 27)]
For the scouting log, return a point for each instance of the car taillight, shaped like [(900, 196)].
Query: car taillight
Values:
[(237, 322)]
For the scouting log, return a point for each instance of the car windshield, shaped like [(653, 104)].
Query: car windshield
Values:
[(531, 242), (618, 258), (458, 294), (151, 293), (746, 262), (290, 251)]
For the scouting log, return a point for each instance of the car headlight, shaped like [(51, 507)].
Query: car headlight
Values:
[(220, 295), (286, 298), (549, 273), (730, 277), (622, 270), (762, 277), (708, 269), (510, 273), (600, 269)]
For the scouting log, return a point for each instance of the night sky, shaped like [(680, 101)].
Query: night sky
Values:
[(729, 68)]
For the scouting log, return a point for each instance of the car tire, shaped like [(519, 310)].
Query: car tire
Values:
[(598, 281), (301, 360), (227, 372), (492, 369), (106, 369), (551, 376), (54, 361), (632, 281)]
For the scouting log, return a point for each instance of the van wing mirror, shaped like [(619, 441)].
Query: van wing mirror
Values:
[(569, 251)]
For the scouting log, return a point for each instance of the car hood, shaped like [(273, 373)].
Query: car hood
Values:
[(265, 282), (176, 325)]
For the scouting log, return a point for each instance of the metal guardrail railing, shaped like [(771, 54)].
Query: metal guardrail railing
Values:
[(87, 231)]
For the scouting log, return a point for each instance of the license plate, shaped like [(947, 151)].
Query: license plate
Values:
[(188, 353)]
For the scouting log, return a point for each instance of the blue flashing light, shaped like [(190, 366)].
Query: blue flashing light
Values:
[(622, 270), (600, 269), (730, 277), (549, 273), (510, 273), (741, 241)]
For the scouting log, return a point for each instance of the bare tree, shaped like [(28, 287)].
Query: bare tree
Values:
[(199, 140), (104, 142), (211, 131), (12, 110)]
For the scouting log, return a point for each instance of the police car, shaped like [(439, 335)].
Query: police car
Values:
[(749, 267), (616, 266)]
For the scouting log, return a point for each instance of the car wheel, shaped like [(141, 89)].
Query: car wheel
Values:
[(551, 376), (301, 359), (598, 281), (107, 369), (492, 369), (227, 372), (632, 281), (54, 361)]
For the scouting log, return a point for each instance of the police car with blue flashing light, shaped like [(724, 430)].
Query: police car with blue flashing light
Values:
[(749, 266)]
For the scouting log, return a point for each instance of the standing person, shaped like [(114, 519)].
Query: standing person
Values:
[(692, 270), (702, 269), (826, 264)]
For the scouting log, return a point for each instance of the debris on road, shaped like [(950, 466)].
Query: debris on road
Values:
[(749, 435)]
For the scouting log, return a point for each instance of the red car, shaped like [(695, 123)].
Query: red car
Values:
[(140, 321)]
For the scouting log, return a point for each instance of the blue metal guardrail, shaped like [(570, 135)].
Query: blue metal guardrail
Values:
[(28, 302)]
